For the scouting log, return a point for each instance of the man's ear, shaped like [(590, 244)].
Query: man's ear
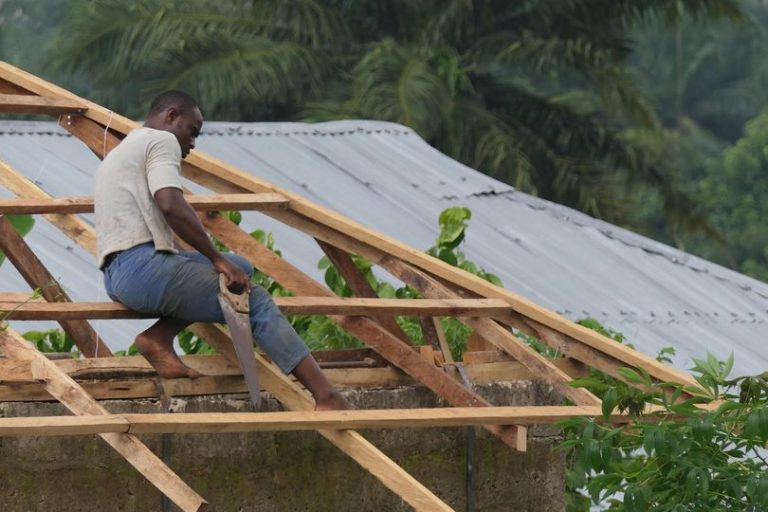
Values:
[(171, 115)]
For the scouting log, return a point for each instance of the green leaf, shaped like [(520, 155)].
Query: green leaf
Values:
[(631, 375), (756, 425), (610, 398)]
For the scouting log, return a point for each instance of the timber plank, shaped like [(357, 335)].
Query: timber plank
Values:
[(35, 310), (16, 385), (26, 104), (199, 202), (69, 393), (213, 422)]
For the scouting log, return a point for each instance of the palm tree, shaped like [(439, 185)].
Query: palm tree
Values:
[(534, 92)]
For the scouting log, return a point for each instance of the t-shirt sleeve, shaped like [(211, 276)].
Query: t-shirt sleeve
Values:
[(163, 164)]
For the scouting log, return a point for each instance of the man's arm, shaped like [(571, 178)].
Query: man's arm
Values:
[(184, 221)]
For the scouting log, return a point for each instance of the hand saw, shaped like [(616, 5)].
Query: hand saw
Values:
[(236, 310)]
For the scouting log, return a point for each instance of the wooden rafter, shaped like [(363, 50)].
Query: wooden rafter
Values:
[(359, 285), (340, 237)]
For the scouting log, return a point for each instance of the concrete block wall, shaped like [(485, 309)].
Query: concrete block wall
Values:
[(285, 471)]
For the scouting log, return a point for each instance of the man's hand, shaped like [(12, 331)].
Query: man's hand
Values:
[(237, 280)]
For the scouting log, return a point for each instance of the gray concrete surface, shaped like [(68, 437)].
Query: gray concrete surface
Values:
[(289, 471)]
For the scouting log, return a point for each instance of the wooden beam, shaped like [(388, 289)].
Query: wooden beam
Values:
[(213, 422), (37, 276), (260, 202), (69, 393), (35, 310), (127, 376), (26, 104)]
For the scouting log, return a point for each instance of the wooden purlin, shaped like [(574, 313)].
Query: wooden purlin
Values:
[(217, 422), (353, 444), (38, 277), (260, 202), (68, 392), (301, 305), (26, 104), (114, 375)]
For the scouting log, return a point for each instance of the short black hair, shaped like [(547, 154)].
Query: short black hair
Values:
[(173, 98)]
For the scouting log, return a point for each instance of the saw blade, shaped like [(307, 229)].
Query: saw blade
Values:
[(242, 339)]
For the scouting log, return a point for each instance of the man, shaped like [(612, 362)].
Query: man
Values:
[(139, 206)]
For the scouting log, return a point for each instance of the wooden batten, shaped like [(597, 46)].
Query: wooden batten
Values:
[(26, 104), (65, 205), (208, 422), (36, 310)]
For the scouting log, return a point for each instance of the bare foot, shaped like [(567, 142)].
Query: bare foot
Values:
[(335, 401), (163, 359)]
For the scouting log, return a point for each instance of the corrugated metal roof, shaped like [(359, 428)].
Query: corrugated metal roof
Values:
[(386, 177)]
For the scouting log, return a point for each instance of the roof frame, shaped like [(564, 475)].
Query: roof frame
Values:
[(101, 130)]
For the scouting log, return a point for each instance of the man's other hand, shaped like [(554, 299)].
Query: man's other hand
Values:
[(237, 280)]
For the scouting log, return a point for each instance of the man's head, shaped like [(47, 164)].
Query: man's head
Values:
[(176, 112)]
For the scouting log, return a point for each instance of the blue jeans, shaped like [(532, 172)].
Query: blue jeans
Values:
[(185, 286)]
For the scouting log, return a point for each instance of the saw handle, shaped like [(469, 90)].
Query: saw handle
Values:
[(240, 302)]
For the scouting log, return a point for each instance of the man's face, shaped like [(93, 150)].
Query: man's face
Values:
[(186, 126)]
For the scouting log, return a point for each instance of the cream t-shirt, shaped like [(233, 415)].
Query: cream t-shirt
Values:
[(126, 181)]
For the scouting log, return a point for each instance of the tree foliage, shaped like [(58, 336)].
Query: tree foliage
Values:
[(535, 93), (735, 188), (678, 458)]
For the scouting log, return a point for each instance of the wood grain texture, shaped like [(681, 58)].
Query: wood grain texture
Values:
[(27, 104), (380, 308), (212, 422), (199, 202)]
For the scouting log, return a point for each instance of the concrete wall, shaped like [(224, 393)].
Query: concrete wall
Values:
[(290, 471)]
